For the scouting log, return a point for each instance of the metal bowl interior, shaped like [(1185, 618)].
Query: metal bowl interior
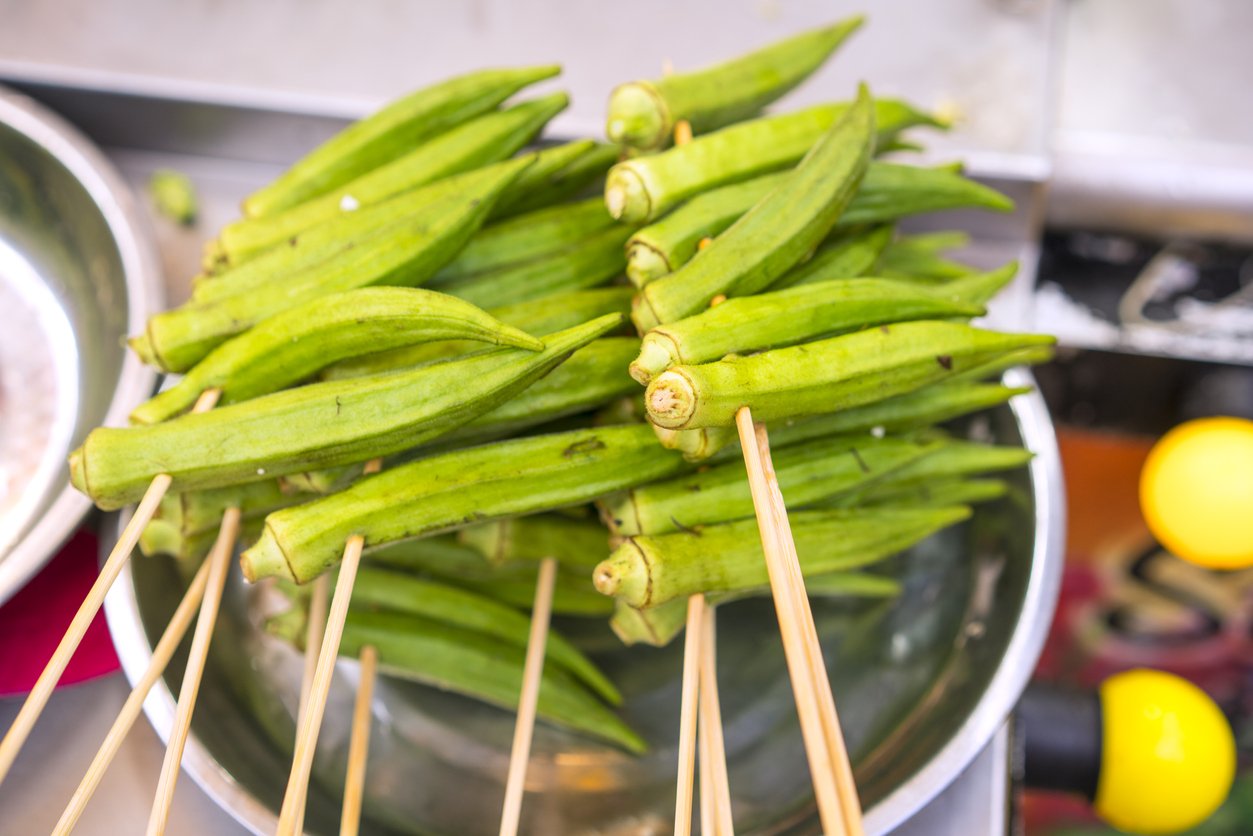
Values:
[(922, 682), (77, 274)]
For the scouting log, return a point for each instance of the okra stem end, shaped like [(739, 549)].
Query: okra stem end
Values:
[(670, 400), (626, 198), (638, 116), (644, 263), (265, 559), (657, 353)]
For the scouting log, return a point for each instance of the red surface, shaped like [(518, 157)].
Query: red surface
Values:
[(33, 621)]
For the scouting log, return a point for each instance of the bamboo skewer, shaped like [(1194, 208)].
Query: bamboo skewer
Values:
[(219, 561), (318, 603), (532, 672), (29, 713), (688, 706), (359, 745), (161, 654), (715, 789)]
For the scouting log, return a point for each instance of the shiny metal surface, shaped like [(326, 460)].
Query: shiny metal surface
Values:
[(77, 273), (923, 682)]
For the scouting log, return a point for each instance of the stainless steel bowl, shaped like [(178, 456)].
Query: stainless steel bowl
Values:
[(77, 273), (922, 682)]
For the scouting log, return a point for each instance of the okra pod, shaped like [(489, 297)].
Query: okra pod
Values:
[(193, 512), (390, 132), (575, 543), (646, 571), (465, 662), (314, 426), (845, 254), (407, 252), (292, 345), (646, 188), (784, 227), (484, 140), (931, 494), (454, 489), (657, 626), (546, 185), (954, 459), (642, 114), (397, 592), (827, 375), (806, 474), (541, 316), (527, 237), (791, 316), (910, 259), (889, 191), (593, 262), (159, 537)]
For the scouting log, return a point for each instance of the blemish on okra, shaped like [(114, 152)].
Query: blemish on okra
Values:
[(946, 361), (861, 463), (590, 445)]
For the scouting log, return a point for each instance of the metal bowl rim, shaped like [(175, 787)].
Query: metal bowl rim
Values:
[(144, 293)]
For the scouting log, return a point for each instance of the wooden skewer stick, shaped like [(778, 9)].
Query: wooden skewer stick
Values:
[(687, 713), (311, 723), (815, 708), (319, 601), (715, 788), (161, 654), (219, 561), (359, 745), (528, 700), (28, 715)]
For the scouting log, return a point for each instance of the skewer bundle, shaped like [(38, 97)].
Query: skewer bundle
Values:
[(769, 285)]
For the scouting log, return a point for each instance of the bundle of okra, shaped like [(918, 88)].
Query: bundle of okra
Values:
[(425, 290)]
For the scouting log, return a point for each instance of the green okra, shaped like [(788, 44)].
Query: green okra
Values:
[(484, 140), (542, 186), (646, 571), (398, 592), (541, 315), (512, 583), (806, 474), (315, 426), (951, 460), (390, 132), (910, 258), (293, 345), (575, 543), (466, 662), (642, 114), (593, 262), (193, 512), (932, 493), (827, 375), (657, 626), (788, 317), (527, 237), (174, 195), (159, 537), (646, 188), (784, 227), (455, 489), (845, 254), (889, 191), (408, 251)]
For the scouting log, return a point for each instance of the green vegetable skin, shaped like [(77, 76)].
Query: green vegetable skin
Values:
[(645, 188), (837, 373), (888, 191), (380, 589), (407, 251), (455, 489), (541, 315), (642, 114), (542, 186), (845, 254), (776, 233), (315, 426), (480, 666), (291, 346), (806, 474), (581, 543), (390, 132), (647, 571), (486, 139), (787, 317)]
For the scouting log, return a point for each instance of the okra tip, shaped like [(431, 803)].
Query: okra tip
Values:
[(626, 197), (670, 400), (638, 116)]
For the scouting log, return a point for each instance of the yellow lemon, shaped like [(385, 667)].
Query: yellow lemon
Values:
[(1196, 492)]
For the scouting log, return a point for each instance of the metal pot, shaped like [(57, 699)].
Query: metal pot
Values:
[(922, 683), (78, 272)]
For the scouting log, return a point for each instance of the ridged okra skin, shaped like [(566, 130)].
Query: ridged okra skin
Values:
[(644, 189), (827, 375), (315, 426), (774, 235), (398, 592), (407, 251), (455, 489), (647, 571), (642, 114), (487, 139), (544, 185), (291, 346), (390, 132), (572, 542), (844, 254)]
